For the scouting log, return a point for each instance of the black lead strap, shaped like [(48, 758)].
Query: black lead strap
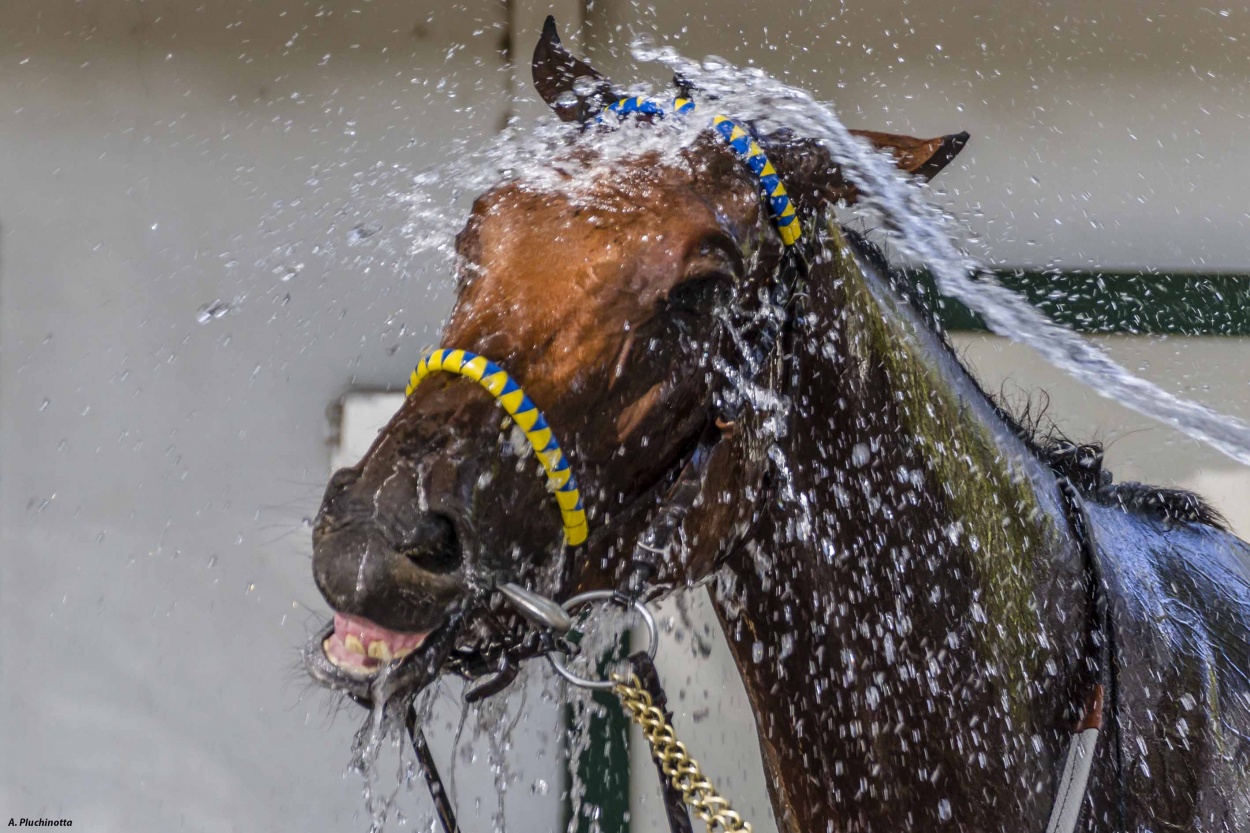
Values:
[(674, 804), (442, 801), (644, 562), (643, 668)]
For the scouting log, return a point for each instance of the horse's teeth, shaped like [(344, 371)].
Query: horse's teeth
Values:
[(403, 652), (380, 650), (353, 644)]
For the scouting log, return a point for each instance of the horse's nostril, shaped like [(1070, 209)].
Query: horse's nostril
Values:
[(341, 480), (434, 545)]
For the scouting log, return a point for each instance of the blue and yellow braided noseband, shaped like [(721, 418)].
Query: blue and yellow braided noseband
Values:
[(784, 217), (526, 414)]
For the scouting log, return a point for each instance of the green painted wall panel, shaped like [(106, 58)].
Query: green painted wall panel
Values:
[(1137, 303)]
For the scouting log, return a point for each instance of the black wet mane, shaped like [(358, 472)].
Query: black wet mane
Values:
[(1082, 464), (1079, 462)]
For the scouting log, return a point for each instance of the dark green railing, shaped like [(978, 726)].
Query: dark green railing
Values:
[(603, 767), (1141, 303)]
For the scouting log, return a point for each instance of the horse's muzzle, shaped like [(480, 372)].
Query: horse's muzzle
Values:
[(408, 541), (365, 575)]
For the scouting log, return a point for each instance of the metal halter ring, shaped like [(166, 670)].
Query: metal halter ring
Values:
[(583, 599)]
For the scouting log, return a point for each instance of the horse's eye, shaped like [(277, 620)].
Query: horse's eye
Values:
[(699, 295)]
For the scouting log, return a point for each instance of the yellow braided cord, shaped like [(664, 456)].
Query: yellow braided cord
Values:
[(526, 415), (682, 771), (784, 216)]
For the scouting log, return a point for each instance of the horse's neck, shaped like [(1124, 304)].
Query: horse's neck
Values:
[(899, 615)]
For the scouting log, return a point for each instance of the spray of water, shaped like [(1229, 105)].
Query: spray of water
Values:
[(380, 729), (919, 230), (524, 153)]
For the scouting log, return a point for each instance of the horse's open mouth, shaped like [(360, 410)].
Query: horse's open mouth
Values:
[(361, 647), (350, 653)]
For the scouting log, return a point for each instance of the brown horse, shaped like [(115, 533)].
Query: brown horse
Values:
[(919, 595)]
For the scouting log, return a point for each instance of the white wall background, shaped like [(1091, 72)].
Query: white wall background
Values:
[(158, 157)]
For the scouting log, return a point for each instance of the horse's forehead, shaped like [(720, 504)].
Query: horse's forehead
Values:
[(551, 272), (589, 200), (624, 231)]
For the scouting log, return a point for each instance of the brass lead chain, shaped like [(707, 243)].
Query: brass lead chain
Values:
[(682, 770)]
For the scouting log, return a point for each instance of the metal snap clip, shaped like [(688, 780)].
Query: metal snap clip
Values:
[(539, 610)]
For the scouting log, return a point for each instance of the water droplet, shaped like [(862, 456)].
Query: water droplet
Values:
[(860, 455), (286, 272), (361, 233), (212, 310), (787, 646)]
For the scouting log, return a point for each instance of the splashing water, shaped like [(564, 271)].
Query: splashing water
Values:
[(918, 228), (382, 724), (497, 722), (524, 152)]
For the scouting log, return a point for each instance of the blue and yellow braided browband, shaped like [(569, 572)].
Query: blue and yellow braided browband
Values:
[(784, 216), (526, 414)]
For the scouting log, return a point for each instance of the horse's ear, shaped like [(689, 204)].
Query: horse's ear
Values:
[(573, 88), (812, 177), (924, 158)]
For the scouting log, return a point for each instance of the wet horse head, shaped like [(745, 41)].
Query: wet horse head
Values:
[(611, 296)]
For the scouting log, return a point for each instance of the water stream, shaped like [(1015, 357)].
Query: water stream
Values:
[(918, 228)]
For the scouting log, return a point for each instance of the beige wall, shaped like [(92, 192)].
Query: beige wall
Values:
[(154, 471), (1103, 134)]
